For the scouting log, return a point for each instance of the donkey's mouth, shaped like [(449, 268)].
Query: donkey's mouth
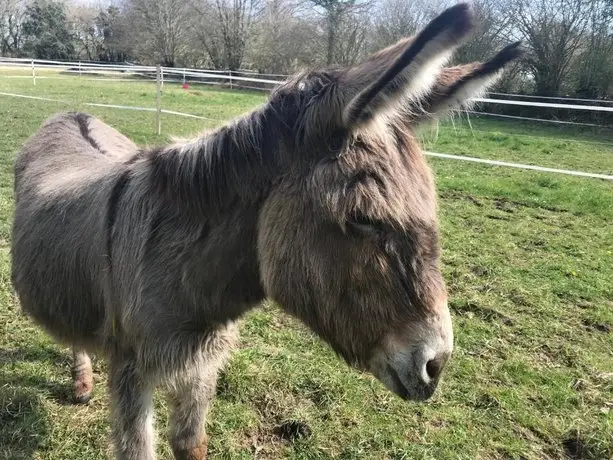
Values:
[(419, 392), (398, 386)]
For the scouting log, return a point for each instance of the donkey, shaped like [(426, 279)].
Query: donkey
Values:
[(320, 200)]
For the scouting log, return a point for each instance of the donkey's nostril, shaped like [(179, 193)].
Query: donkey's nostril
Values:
[(434, 367)]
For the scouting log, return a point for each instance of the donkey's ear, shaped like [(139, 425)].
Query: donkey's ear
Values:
[(406, 69), (455, 86)]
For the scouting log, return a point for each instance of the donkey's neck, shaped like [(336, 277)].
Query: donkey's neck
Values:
[(237, 162)]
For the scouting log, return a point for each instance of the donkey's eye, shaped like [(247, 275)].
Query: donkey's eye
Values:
[(363, 226), (336, 143)]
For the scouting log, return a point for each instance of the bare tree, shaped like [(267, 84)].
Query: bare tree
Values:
[(87, 37), (553, 30), (283, 40), (160, 27), (12, 13), (112, 24), (395, 19), (223, 28), (492, 30), (595, 63), (351, 36), (336, 14)]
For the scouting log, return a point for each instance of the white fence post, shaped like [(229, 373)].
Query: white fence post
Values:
[(161, 77), (33, 73), (184, 76), (158, 100)]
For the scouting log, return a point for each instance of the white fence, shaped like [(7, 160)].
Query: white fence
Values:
[(240, 79), (252, 80)]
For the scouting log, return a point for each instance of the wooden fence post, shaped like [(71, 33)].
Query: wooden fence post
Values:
[(158, 100)]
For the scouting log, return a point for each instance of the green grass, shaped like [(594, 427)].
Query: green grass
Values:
[(528, 258)]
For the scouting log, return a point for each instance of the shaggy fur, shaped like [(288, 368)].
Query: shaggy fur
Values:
[(150, 255)]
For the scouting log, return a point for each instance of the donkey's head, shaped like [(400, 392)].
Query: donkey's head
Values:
[(348, 237)]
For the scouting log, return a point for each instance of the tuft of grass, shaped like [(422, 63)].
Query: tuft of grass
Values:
[(528, 258)]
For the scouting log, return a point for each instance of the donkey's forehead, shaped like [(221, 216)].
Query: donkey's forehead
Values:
[(381, 174), (306, 82)]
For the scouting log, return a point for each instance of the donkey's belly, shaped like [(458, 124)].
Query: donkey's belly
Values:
[(70, 314), (56, 272)]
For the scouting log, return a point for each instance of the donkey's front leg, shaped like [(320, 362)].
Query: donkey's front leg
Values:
[(192, 392), (132, 411), (82, 376), (190, 399)]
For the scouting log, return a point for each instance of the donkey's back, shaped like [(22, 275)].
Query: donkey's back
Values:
[(64, 177)]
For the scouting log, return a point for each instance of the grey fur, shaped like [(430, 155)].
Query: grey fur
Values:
[(150, 255)]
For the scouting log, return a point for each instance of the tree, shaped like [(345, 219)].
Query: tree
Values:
[(12, 14), (553, 31), (337, 14), (87, 39), (46, 31), (396, 19), (595, 63), (351, 36), (281, 41), (223, 28), (492, 30), (160, 29), (112, 26)]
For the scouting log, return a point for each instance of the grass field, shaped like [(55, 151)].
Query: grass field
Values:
[(528, 258)]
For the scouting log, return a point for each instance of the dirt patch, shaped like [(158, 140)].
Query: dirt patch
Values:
[(480, 270), (502, 204), (519, 298), (487, 401), (576, 448), (532, 244), (594, 326), (496, 217), (461, 196), (292, 430), (505, 205), (468, 308)]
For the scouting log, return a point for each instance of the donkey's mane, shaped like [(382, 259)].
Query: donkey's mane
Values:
[(234, 162)]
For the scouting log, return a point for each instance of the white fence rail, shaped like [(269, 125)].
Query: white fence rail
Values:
[(213, 76), (207, 76), (159, 74)]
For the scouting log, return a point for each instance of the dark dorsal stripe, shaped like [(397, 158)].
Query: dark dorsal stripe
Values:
[(112, 206), (82, 120)]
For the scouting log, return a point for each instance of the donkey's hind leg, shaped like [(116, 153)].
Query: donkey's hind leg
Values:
[(82, 376)]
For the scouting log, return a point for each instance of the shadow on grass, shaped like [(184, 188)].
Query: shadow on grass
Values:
[(24, 421), (47, 355)]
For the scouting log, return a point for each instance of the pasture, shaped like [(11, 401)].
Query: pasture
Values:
[(528, 259)]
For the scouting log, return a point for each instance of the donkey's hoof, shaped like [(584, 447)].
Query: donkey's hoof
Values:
[(82, 398), (195, 453), (82, 393)]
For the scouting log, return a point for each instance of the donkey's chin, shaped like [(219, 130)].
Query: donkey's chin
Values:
[(407, 389)]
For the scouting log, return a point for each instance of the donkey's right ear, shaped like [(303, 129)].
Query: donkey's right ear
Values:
[(456, 86), (406, 70)]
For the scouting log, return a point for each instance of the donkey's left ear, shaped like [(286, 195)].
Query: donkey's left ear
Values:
[(455, 86), (404, 70)]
